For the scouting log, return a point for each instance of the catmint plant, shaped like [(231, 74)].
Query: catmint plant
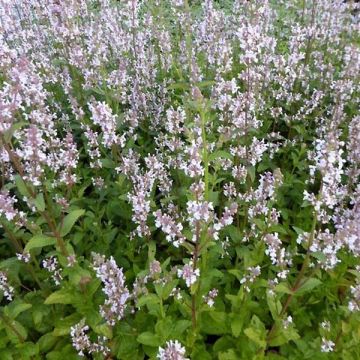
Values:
[(179, 179)]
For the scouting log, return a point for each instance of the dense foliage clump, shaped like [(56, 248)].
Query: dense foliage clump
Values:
[(179, 179)]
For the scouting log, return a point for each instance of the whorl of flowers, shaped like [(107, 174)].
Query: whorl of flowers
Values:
[(173, 351), (7, 289), (7, 208), (82, 343), (189, 274), (114, 288), (51, 264)]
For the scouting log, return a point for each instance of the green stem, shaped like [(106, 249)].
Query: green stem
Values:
[(298, 282)]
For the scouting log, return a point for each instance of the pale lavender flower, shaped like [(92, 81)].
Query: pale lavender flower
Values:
[(114, 288), (82, 343), (7, 204), (327, 345), (155, 268), (169, 227), (7, 289), (287, 322), (326, 325), (103, 117), (173, 351), (51, 265), (354, 303), (189, 274), (210, 297), (25, 257), (250, 277)]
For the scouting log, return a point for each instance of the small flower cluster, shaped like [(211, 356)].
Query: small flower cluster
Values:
[(169, 227), (173, 351), (82, 343), (210, 297), (7, 205), (354, 303), (7, 289), (189, 274), (25, 257), (277, 253), (52, 266), (253, 273), (327, 345), (114, 288)]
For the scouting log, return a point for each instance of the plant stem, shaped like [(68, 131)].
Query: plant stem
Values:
[(298, 282)]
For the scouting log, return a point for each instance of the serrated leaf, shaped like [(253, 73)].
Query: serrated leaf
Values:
[(308, 285), (149, 339), (16, 308), (39, 241), (255, 336), (40, 202), (220, 154), (21, 186), (237, 324), (70, 220), (59, 297), (283, 288)]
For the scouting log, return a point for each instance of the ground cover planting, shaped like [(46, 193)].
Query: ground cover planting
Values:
[(179, 179)]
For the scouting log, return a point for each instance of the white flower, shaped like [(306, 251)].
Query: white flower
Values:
[(189, 274), (327, 345), (173, 351)]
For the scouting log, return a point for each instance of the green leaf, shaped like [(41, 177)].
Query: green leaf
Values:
[(47, 342), (15, 331), (63, 325), (256, 332), (148, 299), (274, 305), (228, 355), (220, 154), (62, 296), (148, 338), (237, 324), (70, 220), (214, 322), (16, 308), (256, 336), (308, 285), (20, 184), (151, 251), (40, 202), (39, 241), (282, 336), (283, 288)]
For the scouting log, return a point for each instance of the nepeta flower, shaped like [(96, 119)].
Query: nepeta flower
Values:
[(253, 273), (189, 274), (7, 289), (326, 325), (51, 265), (354, 303), (115, 289), (199, 211), (210, 297), (82, 343), (7, 203), (169, 227), (173, 351), (25, 257), (327, 345), (287, 322), (103, 117)]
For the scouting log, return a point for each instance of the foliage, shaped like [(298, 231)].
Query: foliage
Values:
[(179, 180)]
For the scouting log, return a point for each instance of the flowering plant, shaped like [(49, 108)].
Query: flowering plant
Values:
[(179, 179)]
